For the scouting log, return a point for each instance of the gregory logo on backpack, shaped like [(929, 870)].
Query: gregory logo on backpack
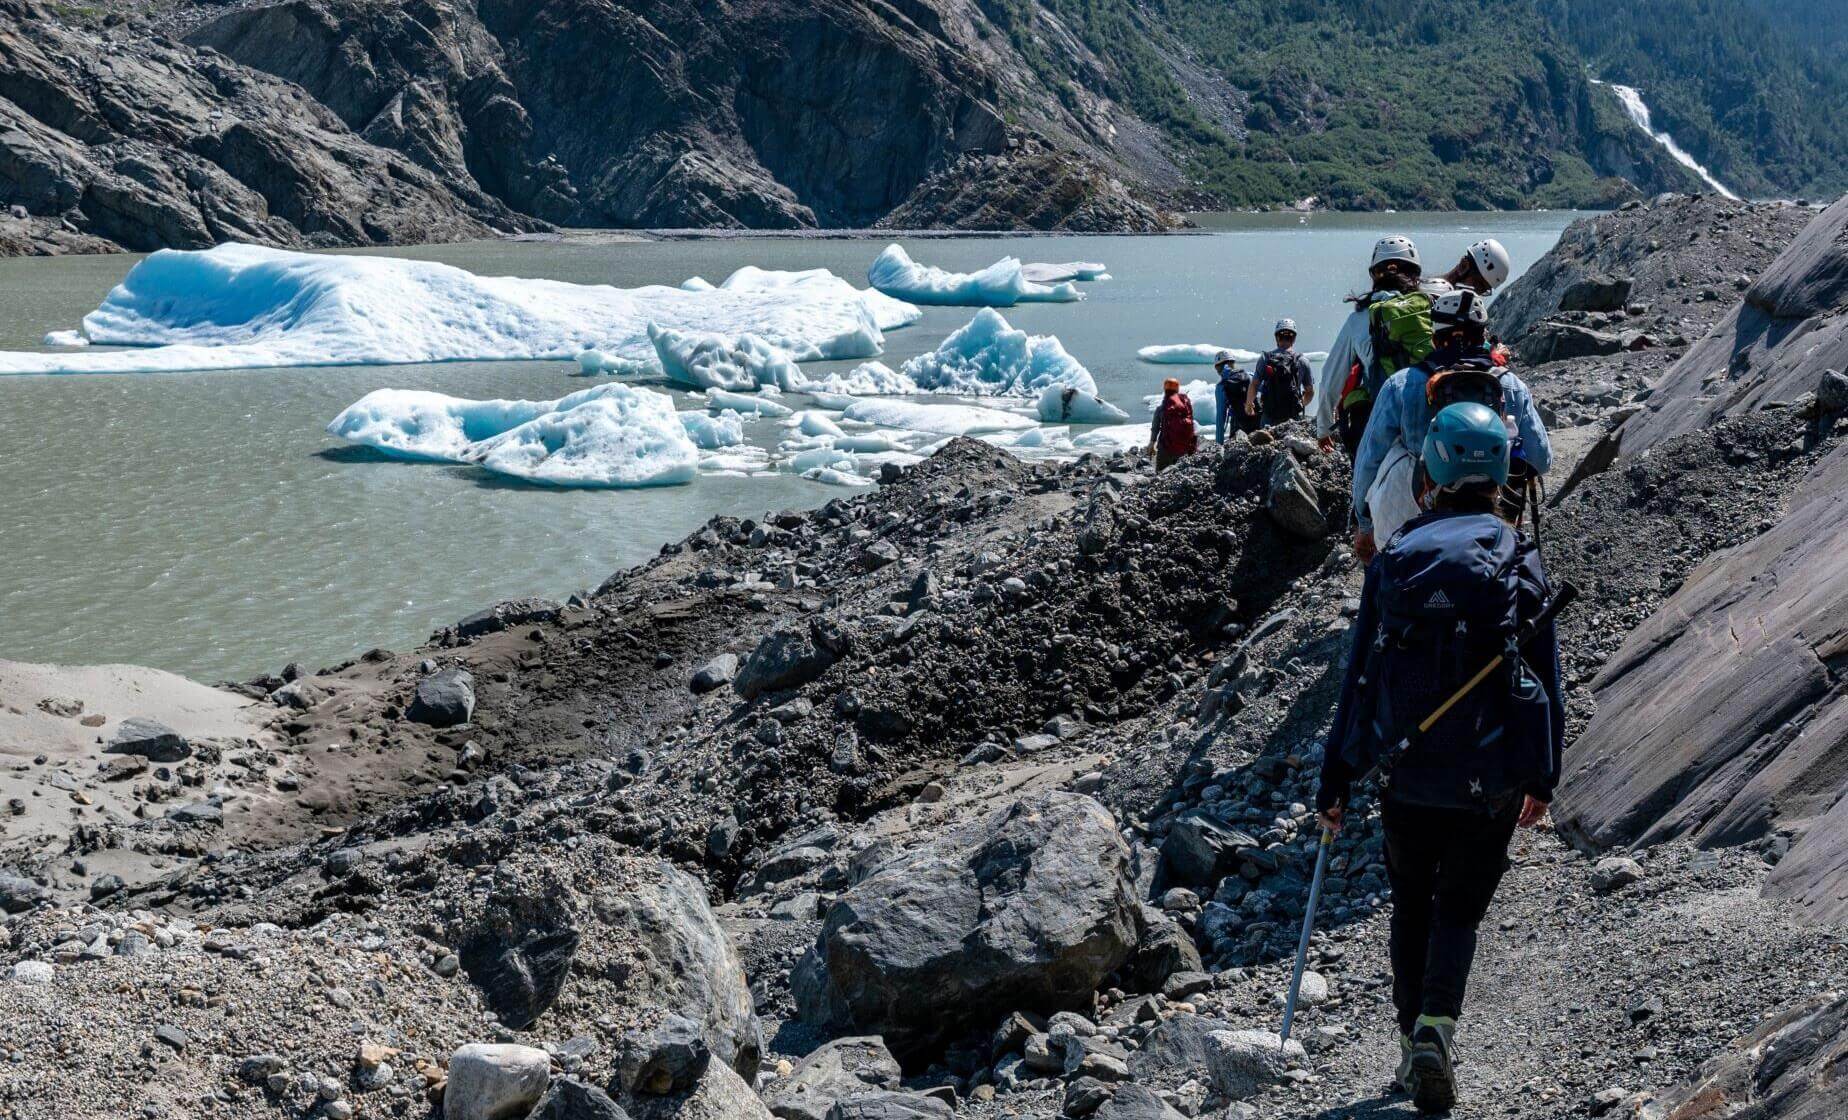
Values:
[(1439, 602)]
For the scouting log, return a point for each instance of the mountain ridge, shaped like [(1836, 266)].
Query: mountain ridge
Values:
[(487, 116)]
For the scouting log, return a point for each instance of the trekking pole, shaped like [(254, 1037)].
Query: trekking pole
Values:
[(1302, 944)]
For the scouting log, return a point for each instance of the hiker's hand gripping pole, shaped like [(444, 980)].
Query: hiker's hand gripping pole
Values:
[(1302, 944)]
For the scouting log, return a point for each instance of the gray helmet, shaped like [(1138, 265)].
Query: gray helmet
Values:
[(1492, 261), (1459, 306), (1395, 248), (1284, 326), (1468, 443)]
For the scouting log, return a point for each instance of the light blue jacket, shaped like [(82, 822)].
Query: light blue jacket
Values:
[(1401, 415)]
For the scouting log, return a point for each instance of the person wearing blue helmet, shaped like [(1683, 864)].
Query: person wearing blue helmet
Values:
[(1442, 599)]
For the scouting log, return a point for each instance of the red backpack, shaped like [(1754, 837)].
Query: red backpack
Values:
[(1177, 425)]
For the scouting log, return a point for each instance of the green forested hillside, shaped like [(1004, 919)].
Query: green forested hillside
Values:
[(1471, 103)]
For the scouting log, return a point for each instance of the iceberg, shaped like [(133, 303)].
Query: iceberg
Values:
[(1060, 273), (245, 306), (65, 338), (710, 433), (703, 360), (936, 419), (1192, 354), (610, 436), (593, 362), (987, 357), (815, 423), (1117, 437), (1002, 284), (870, 379), (613, 442), (747, 404), (1064, 405)]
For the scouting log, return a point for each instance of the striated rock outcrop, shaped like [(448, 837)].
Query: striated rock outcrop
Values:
[(111, 139), (1725, 715)]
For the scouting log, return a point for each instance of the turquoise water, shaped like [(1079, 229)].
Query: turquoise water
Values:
[(205, 523)]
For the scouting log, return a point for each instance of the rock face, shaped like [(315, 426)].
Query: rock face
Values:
[(782, 115), (1028, 909), (121, 140), (1787, 1068), (1723, 716)]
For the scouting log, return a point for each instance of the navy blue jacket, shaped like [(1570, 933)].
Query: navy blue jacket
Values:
[(1541, 656)]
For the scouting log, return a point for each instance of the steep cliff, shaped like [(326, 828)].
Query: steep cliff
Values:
[(111, 139)]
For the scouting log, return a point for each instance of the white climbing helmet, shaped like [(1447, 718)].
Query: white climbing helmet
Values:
[(1284, 326), (1492, 261), (1395, 248), (1460, 305)]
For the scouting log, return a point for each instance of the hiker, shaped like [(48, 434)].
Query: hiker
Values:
[(1229, 397), (1439, 603), (1350, 376), (1342, 404), (1484, 267), (1171, 432), (1281, 388), (1460, 367)]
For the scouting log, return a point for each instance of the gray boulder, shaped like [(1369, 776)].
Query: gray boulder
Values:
[(1243, 1063), (571, 1099), (18, 894), (1557, 342), (1178, 1044), (790, 658), (505, 616), (666, 1058), (1136, 1102), (444, 699), (1596, 293), (1291, 500), (886, 1104), (518, 948), (1199, 851), (1163, 950), (1614, 873), (720, 1095), (495, 1081), (150, 739), (715, 674), (1030, 908), (837, 1070)]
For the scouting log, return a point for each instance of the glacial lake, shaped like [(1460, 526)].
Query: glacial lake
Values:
[(206, 523)]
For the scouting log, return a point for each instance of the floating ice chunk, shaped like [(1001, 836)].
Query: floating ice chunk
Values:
[(836, 476), (593, 362), (244, 306), (937, 419), (1205, 401), (816, 457), (709, 433), (697, 284), (1002, 284), (620, 440), (748, 404), (1117, 437), (1060, 273), (742, 461), (435, 427), (814, 422), (1192, 354), (870, 379), (66, 338), (989, 358), (1064, 405), (871, 443), (700, 360)]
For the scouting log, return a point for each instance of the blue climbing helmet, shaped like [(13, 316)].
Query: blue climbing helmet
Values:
[(1468, 443)]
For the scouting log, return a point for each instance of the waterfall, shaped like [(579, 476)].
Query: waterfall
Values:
[(1634, 105)]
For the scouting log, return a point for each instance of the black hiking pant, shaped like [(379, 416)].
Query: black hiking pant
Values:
[(1444, 865), (1279, 408), (1351, 424)]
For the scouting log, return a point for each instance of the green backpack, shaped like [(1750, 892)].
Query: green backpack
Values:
[(1400, 328)]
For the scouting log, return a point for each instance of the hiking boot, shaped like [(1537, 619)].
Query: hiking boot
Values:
[(1431, 1073)]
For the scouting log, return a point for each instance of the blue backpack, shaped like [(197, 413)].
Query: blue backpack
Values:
[(1450, 598)]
